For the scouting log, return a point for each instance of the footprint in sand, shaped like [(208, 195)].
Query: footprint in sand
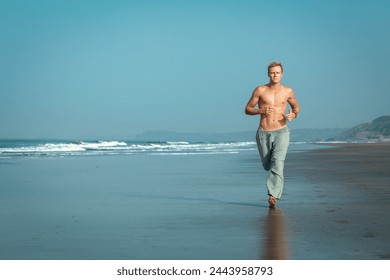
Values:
[(333, 210), (342, 221), (369, 234), (384, 256)]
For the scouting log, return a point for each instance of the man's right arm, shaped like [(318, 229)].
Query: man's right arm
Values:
[(253, 101)]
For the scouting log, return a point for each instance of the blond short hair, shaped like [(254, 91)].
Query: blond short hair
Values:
[(274, 64)]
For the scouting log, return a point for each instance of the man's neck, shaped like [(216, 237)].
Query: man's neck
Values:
[(274, 85)]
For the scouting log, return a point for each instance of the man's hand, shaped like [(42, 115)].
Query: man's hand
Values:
[(290, 116)]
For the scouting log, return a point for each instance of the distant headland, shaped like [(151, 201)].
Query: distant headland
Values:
[(377, 130)]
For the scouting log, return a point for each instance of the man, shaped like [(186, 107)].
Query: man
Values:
[(273, 135)]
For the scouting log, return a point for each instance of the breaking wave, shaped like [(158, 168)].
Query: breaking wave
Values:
[(121, 147)]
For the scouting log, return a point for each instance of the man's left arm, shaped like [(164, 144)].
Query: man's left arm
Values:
[(294, 106)]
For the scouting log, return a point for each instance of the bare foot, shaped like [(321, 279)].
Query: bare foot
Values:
[(272, 201)]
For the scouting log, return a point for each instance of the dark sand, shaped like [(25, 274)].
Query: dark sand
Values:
[(343, 213)]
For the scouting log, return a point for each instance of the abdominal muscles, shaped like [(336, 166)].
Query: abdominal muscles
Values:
[(274, 120)]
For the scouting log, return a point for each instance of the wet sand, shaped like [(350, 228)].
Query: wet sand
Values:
[(336, 205), (364, 166), (140, 207), (343, 211)]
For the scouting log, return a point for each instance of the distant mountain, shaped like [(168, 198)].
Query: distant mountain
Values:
[(378, 129), (297, 135)]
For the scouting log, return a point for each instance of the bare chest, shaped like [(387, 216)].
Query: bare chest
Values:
[(277, 99)]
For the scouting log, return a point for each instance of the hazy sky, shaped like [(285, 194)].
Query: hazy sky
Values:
[(113, 69)]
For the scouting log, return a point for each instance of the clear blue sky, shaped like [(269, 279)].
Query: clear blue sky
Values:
[(113, 69)]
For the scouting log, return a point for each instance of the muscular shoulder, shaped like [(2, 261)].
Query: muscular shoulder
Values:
[(289, 91), (260, 90)]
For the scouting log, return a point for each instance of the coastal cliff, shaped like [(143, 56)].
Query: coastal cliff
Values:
[(377, 130)]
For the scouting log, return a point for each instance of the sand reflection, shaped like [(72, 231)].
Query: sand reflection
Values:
[(275, 238)]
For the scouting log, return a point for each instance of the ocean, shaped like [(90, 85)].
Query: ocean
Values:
[(61, 148)]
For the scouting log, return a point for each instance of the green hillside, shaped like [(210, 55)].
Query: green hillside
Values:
[(376, 130)]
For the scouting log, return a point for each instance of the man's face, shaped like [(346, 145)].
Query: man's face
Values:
[(275, 74)]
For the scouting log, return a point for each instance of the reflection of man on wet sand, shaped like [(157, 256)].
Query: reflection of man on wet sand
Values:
[(275, 241), (273, 135)]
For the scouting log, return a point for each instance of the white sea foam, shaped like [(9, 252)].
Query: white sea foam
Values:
[(192, 147), (331, 142), (61, 148), (118, 147), (46, 148), (178, 143), (102, 145)]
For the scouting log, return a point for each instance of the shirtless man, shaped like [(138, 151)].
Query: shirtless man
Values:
[(273, 135)]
